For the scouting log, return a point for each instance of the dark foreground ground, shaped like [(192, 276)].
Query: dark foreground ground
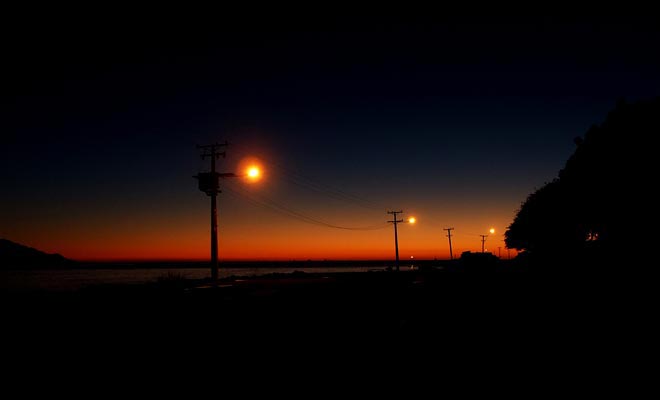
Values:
[(453, 319), (341, 304)]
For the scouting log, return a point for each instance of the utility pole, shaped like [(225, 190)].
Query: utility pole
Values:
[(209, 183), (396, 237), (483, 241), (499, 251), (451, 253)]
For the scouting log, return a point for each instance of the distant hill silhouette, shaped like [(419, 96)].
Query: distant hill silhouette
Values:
[(17, 256), (589, 212)]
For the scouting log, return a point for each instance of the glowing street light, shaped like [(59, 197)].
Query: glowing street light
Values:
[(209, 183), (253, 173), (395, 221)]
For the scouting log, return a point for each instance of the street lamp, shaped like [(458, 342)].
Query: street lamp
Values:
[(209, 183), (483, 242), (483, 239), (395, 221)]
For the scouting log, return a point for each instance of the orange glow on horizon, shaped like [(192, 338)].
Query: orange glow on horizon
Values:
[(313, 245), (251, 242), (249, 232)]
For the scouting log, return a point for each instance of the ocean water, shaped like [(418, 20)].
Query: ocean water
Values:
[(73, 279)]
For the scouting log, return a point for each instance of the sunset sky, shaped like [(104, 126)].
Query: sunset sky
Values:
[(454, 120)]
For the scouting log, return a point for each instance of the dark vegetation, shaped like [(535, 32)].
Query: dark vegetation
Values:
[(590, 214)]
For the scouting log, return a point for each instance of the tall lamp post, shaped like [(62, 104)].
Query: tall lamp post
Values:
[(209, 183), (395, 221), (483, 242), (483, 239)]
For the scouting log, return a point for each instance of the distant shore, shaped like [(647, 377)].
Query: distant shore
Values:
[(222, 264), (71, 279)]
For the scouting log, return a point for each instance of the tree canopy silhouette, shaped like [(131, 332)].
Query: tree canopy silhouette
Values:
[(598, 194)]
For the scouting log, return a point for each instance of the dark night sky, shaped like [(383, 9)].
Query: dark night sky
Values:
[(455, 119)]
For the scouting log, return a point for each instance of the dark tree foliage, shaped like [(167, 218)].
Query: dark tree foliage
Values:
[(601, 193)]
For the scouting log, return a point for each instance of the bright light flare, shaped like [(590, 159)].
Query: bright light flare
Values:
[(412, 220), (253, 172), (492, 230)]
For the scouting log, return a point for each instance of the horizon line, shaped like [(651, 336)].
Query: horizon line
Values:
[(246, 260)]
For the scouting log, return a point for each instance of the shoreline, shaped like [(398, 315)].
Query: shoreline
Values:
[(84, 265)]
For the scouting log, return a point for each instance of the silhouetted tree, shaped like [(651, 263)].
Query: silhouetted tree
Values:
[(598, 195)]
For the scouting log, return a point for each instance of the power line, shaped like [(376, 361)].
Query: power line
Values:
[(263, 201), (333, 193), (461, 233), (312, 184)]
